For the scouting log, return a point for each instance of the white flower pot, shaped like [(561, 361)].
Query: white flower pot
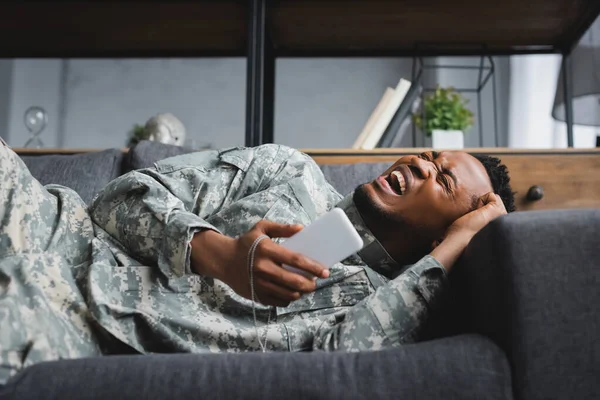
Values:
[(441, 139)]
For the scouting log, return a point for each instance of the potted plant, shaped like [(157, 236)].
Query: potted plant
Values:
[(445, 118)]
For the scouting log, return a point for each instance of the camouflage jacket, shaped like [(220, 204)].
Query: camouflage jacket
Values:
[(120, 270)]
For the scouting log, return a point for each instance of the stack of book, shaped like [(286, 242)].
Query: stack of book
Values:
[(390, 121)]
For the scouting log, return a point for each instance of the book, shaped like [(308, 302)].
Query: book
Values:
[(374, 135), (387, 95), (399, 119)]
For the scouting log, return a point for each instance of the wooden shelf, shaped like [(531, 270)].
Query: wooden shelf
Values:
[(345, 156), (122, 28), (434, 26), (345, 153), (109, 28)]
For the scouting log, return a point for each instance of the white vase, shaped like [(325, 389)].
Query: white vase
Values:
[(441, 139)]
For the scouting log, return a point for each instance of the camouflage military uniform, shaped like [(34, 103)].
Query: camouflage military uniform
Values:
[(73, 280)]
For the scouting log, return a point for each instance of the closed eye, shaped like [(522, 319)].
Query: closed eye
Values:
[(442, 175), (445, 181), (425, 156)]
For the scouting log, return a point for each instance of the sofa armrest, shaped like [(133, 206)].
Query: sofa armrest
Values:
[(532, 284)]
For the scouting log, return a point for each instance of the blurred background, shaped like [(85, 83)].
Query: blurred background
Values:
[(319, 102)]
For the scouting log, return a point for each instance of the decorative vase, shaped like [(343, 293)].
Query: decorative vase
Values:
[(441, 139)]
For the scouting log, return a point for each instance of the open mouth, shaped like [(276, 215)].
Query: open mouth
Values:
[(397, 182)]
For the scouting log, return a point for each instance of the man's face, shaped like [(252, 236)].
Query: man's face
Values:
[(424, 193)]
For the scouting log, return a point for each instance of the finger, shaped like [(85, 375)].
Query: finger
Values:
[(500, 204), (274, 290), (493, 205), (282, 277), (488, 198), (273, 229), (494, 200), (285, 256)]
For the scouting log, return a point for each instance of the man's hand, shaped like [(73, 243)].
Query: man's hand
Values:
[(226, 259), (461, 232), (490, 206)]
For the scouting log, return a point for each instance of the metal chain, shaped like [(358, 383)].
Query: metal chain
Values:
[(254, 295)]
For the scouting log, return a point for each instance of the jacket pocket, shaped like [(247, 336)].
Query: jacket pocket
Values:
[(304, 198), (238, 157), (345, 288), (195, 160)]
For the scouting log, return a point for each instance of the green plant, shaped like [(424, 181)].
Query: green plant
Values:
[(136, 134), (444, 109)]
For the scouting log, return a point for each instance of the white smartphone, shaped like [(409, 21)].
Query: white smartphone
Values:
[(328, 240)]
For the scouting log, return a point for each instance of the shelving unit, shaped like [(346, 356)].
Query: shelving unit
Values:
[(263, 30)]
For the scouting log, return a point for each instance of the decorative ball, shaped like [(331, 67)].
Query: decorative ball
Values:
[(165, 128)]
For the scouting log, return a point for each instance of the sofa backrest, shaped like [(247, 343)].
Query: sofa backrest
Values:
[(343, 177), (145, 153), (346, 177), (85, 173)]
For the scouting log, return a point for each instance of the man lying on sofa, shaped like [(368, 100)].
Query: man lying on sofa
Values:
[(159, 261)]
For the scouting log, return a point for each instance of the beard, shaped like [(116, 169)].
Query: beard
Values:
[(406, 241), (374, 213)]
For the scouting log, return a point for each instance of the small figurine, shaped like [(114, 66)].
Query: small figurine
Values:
[(164, 128)]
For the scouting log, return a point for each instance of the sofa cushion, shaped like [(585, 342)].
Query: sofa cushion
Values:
[(85, 173), (145, 153), (461, 367), (343, 177), (346, 177)]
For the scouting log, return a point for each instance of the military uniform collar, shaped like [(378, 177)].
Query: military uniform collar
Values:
[(372, 253)]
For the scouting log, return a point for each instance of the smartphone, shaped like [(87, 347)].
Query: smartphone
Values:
[(328, 240)]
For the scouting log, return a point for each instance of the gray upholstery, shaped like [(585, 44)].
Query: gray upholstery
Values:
[(145, 153), (345, 177), (85, 173), (462, 367), (533, 286)]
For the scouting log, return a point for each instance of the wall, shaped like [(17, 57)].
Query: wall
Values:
[(6, 68), (94, 103), (105, 98), (35, 82), (533, 87), (326, 102)]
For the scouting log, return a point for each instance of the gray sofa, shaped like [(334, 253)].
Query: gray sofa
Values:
[(522, 321)]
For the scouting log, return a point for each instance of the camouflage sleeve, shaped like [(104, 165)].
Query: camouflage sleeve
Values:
[(154, 213), (296, 167), (393, 315), (149, 221)]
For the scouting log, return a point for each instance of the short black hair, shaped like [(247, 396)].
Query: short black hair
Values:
[(500, 179)]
